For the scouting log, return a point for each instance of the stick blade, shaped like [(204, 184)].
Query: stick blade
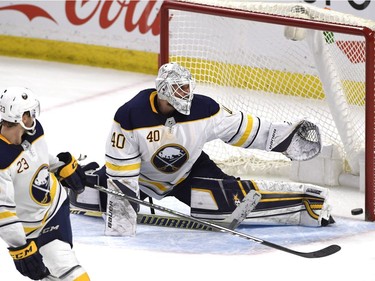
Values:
[(330, 250)]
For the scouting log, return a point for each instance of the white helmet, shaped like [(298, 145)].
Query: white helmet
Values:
[(169, 85), (14, 102)]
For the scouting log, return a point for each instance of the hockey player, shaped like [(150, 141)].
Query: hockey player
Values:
[(155, 149), (34, 209)]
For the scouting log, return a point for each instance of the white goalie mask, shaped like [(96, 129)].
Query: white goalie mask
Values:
[(175, 85), (14, 102)]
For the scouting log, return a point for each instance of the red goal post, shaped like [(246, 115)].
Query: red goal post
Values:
[(351, 77)]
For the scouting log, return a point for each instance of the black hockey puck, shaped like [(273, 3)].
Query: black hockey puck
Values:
[(357, 211)]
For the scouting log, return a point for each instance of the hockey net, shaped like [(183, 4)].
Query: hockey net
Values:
[(280, 61)]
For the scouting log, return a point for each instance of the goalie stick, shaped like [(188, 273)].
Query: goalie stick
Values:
[(315, 254), (152, 219)]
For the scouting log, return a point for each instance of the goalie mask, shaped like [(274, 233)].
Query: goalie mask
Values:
[(175, 85), (14, 102)]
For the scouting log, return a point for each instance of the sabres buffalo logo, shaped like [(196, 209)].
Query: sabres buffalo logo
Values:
[(170, 158), (40, 189)]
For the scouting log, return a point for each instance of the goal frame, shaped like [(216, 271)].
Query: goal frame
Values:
[(365, 32)]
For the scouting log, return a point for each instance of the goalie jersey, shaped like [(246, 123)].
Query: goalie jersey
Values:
[(29, 194), (157, 152)]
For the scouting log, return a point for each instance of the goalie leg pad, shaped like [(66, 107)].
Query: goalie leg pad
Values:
[(291, 203), (227, 201), (121, 215)]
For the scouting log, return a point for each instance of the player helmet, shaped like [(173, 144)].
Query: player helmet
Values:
[(14, 102), (175, 85)]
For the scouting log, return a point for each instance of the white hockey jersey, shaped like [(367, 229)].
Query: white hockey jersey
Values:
[(29, 194), (157, 152)]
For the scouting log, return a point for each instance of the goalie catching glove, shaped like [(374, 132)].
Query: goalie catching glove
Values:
[(299, 141), (29, 261)]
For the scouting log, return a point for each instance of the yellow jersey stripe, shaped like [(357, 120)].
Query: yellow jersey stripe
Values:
[(4, 139), (83, 277), (27, 230), (131, 167), (158, 185), (54, 186), (152, 101), (247, 132), (7, 214)]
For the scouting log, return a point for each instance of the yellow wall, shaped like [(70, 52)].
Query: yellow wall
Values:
[(67, 52)]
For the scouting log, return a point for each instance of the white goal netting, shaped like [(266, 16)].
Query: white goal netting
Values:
[(265, 67)]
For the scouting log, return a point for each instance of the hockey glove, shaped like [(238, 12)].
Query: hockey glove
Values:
[(29, 261), (70, 173), (299, 141)]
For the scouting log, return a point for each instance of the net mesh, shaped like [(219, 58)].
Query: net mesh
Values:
[(251, 66)]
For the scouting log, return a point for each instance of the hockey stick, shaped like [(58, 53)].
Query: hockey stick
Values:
[(152, 219), (316, 254)]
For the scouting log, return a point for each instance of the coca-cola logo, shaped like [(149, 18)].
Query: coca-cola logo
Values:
[(108, 11), (30, 11), (357, 5)]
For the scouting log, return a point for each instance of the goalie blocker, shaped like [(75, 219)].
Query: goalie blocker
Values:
[(227, 202)]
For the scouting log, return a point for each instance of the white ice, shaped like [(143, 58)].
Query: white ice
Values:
[(78, 104)]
